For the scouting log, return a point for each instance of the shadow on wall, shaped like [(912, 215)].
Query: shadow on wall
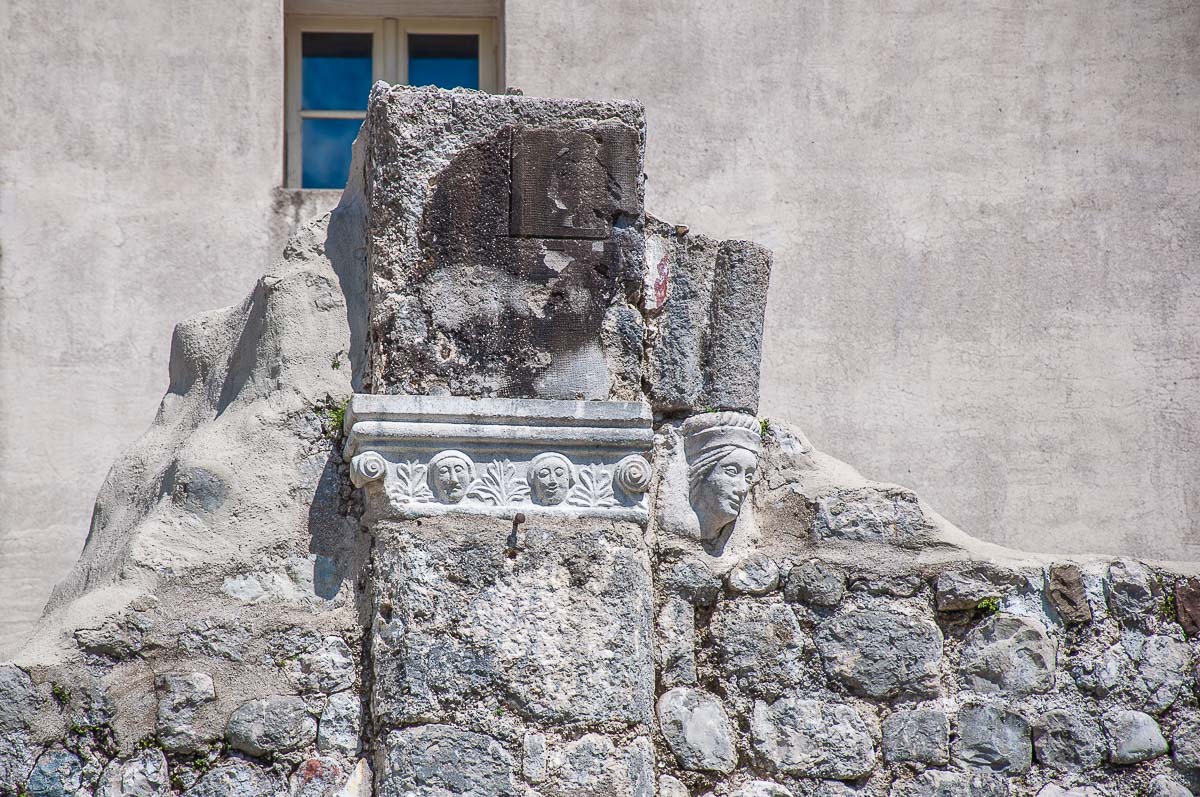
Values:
[(346, 249)]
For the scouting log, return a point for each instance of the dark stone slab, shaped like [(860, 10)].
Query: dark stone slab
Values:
[(1187, 604), (573, 183), (1067, 594)]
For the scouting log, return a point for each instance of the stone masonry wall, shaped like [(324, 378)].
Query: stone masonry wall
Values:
[(800, 675), (844, 642), (532, 662)]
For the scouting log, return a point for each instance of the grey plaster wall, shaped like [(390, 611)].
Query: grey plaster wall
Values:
[(986, 225), (140, 151), (985, 222)]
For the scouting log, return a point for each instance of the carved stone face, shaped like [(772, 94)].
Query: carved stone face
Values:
[(449, 477), (717, 499), (550, 479)]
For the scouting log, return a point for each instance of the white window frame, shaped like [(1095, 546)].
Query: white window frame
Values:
[(389, 62)]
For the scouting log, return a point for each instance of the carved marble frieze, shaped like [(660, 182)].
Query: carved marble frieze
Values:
[(418, 456)]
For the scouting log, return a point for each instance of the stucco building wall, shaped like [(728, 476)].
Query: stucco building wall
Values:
[(986, 225), (140, 153)]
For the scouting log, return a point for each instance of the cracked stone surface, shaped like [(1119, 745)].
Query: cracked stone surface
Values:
[(920, 736), (993, 739), (882, 654), (1009, 654), (697, 730), (561, 631), (812, 738)]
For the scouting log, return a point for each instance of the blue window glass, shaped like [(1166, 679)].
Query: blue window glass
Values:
[(336, 71), (327, 151), (442, 60)]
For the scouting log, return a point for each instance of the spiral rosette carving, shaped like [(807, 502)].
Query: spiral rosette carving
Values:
[(367, 467), (633, 475)]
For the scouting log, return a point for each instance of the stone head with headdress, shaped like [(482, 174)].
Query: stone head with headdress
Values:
[(550, 477), (722, 450), (450, 475)]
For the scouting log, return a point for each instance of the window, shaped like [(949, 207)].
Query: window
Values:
[(333, 61)]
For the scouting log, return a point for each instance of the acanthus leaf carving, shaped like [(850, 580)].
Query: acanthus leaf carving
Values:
[(410, 484), (593, 488), (499, 485)]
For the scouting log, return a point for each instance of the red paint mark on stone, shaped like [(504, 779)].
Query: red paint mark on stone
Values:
[(314, 769), (661, 281)]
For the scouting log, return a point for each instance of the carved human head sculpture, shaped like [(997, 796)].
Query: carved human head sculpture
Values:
[(722, 451), (550, 478), (450, 475)]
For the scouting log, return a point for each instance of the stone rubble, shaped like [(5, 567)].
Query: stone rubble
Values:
[(917, 736), (759, 644), (1067, 741), (1165, 786), (697, 730), (935, 783), (1133, 737), (812, 738), (993, 739), (1009, 654), (676, 628), (1067, 594), (816, 583), (340, 724), (179, 697), (1132, 597), (754, 574), (691, 580), (762, 788), (1187, 604), (144, 775), (439, 759), (961, 590), (276, 724), (882, 654), (328, 668)]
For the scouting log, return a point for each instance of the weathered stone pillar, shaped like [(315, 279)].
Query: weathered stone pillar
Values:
[(510, 586), (510, 592)]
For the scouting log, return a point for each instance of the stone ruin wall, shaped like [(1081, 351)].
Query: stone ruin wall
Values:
[(469, 498)]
